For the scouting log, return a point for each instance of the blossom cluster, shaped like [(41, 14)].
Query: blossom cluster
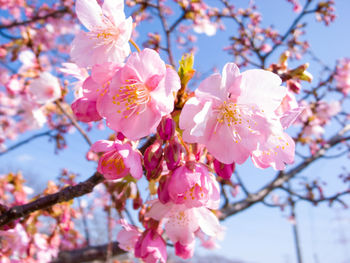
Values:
[(191, 136), (232, 116)]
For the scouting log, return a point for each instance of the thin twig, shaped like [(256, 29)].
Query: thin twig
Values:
[(74, 122), (15, 146), (56, 13)]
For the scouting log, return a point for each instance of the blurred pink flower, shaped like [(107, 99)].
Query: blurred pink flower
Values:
[(14, 240), (342, 75), (139, 95), (108, 36), (128, 236), (45, 88), (151, 247)]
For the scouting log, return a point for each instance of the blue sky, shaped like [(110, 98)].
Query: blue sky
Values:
[(260, 234)]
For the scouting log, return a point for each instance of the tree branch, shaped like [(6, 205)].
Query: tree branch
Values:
[(13, 147), (281, 178), (88, 254), (55, 14), (47, 201)]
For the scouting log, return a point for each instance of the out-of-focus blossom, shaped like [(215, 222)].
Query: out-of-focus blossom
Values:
[(128, 236), (342, 75), (151, 247), (14, 241), (45, 88)]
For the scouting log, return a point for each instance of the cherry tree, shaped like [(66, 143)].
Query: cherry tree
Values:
[(86, 64)]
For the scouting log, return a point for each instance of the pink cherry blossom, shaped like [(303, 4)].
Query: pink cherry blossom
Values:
[(108, 36), (119, 159), (95, 86), (184, 251), (128, 236), (80, 74), (234, 114), (193, 186), (85, 110), (45, 89), (151, 247), (181, 223), (342, 75), (139, 95), (14, 240)]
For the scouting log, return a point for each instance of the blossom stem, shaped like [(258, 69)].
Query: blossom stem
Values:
[(135, 45), (188, 152)]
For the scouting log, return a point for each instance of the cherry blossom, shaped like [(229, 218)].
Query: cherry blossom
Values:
[(234, 115), (151, 247), (45, 88), (128, 236), (193, 186), (119, 159), (108, 36), (140, 94), (342, 75), (182, 223)]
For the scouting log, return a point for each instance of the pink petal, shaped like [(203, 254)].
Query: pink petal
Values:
[(231, 79), (89, 13), (147, 63), (262, 88), (114, 10), (102, 146), (211, 88)]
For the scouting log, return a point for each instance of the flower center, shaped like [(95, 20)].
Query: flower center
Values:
[(104, 35), (114, 162), (237, 117), (131, 98)]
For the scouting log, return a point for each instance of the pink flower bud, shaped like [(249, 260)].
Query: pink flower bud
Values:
[(85, 110), (120, 136), (163, 193), (184, 251), (166, 128), (154, 173), (153, 156), (224, 170), (151, 247), (172, 154)]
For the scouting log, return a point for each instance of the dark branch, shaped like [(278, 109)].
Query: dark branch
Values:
[(88, 254), (55, 14), (47, 201), (281, 178)]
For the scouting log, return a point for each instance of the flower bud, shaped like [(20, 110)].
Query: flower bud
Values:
[(155, 173), (172, 154), (224, 170), (166, 128), (153, 156), (151, 247), (85, 110), (163, 193)]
